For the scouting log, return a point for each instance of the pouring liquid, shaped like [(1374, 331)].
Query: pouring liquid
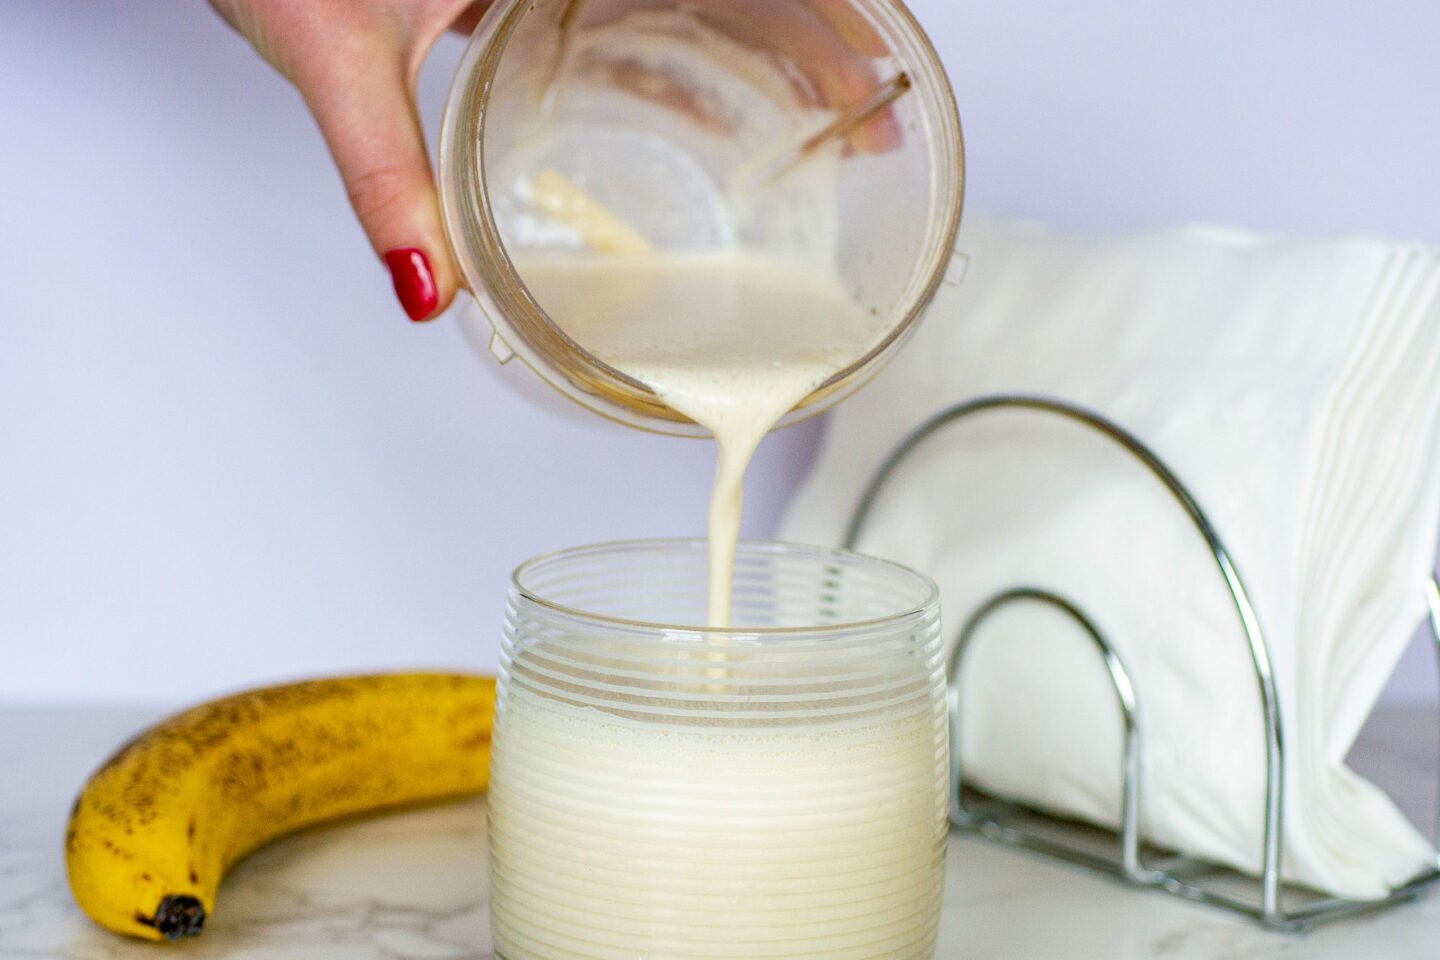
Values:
[(732, 340)]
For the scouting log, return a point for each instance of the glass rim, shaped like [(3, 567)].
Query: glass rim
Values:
[(917, 610)]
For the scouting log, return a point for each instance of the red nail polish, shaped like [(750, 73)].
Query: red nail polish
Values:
[(414, 283)]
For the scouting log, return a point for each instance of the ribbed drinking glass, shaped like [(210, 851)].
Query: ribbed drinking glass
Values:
[(665, 790)]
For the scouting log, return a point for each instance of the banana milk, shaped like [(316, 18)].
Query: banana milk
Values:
[(821, 840), (732, 340)]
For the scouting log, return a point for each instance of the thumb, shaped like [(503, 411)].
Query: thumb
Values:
[(367, 114)]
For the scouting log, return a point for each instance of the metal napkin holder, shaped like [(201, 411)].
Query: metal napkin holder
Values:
[(1263, 898)]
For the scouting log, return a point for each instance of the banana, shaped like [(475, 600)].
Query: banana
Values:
[(156, 827)]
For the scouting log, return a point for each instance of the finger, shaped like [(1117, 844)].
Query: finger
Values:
[(843, 77), (364, 104), (852, 26), (469, 19)]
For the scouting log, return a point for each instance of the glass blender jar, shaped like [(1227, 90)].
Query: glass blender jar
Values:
[(822, 131)]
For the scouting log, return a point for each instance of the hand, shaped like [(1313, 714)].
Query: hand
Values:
[(827, 39), (356, 63)]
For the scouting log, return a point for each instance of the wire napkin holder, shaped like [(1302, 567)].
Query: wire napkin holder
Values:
[(1266, 898)]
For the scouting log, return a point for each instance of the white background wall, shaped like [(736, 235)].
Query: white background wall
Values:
[(225, 457)]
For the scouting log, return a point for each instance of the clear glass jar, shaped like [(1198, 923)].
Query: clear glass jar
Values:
[(699, 127), (664, 790)]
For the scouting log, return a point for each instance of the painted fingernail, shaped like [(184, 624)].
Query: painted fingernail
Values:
[(414, 282)]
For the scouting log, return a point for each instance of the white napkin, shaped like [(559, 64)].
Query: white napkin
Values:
[(1294, 385)]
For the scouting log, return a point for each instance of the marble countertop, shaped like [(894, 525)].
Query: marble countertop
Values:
[(411, 885)]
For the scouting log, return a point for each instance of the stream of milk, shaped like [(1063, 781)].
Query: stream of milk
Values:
[(732, 340)]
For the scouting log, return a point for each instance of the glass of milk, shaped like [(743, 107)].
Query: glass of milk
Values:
[(665, 790), (636, 156)]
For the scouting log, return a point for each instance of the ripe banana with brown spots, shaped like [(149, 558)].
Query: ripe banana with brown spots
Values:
[(156, 827)]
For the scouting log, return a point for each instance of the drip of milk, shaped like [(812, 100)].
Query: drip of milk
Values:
[(733, 340)]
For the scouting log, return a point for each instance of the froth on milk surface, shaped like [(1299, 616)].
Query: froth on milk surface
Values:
[(733, 340)]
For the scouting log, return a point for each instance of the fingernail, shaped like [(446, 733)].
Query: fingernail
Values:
[(414, 283), (880, 134)]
